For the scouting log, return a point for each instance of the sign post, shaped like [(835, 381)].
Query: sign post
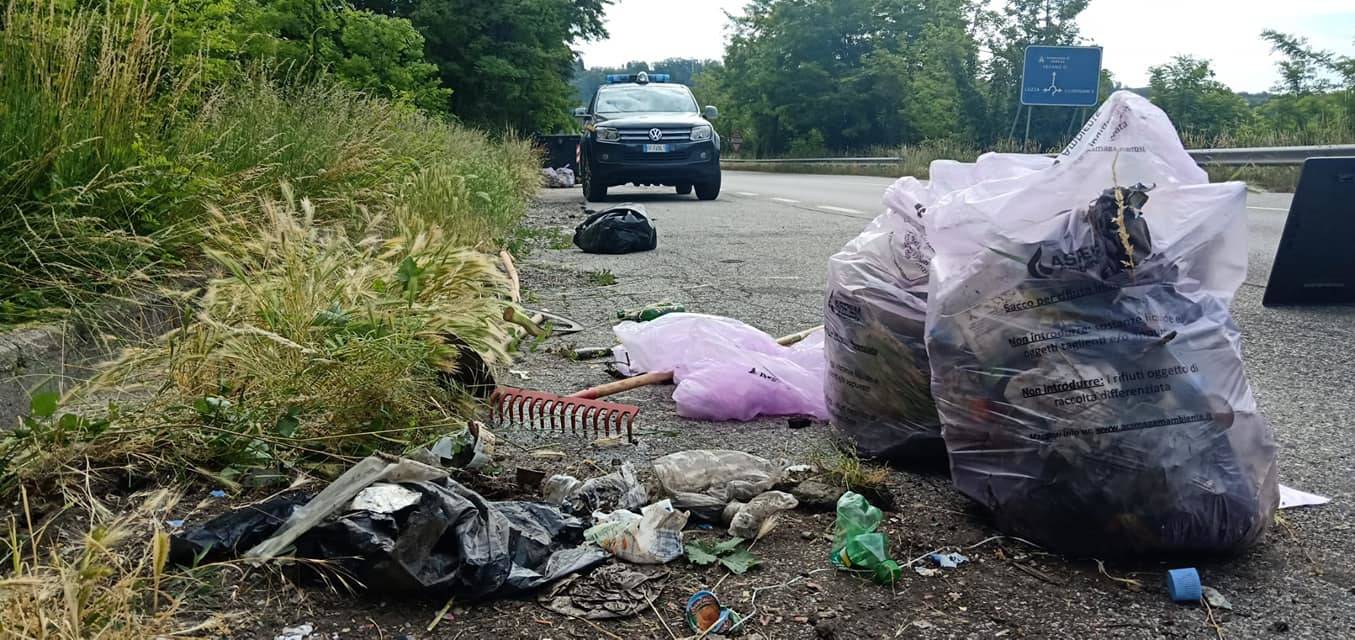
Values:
[(1058, 76)]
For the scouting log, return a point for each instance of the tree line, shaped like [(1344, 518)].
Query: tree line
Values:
[(805, 77), (497, 65)]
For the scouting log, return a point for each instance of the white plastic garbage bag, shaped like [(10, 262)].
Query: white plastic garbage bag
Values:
[(1083, 359)]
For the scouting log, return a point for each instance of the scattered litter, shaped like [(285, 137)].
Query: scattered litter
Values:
[(725, 369), (856, 542), (617, 490), (590, 353), (1291, 498), (558, 488), (1216, 599), (925, 571), (621, 229), (472, 448), (759, 514), (176, 524), (562, 178), (453, 540), (724, 474), (521, 374), (217, 493), (949, 560), (550, 454), (1183, 585), (653, 537), (650, 312), (612, 591), (299, 632), (612, 441), (1084, 360), (387, 498), (705, 616)]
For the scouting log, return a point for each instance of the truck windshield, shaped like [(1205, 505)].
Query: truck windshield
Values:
[(645, 99)]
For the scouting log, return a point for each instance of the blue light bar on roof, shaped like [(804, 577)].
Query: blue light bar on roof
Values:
[(638, 78)]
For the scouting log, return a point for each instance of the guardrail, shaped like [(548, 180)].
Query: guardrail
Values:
[(1220, 157)]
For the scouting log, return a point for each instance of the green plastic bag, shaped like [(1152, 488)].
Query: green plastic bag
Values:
[(856, 543)]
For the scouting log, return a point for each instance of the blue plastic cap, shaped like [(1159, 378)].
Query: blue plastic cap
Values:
[(1184, 585)]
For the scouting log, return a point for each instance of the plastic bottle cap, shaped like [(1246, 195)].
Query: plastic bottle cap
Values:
[(1184, 585)]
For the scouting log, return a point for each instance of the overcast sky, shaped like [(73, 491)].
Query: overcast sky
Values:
[(1136, 34)]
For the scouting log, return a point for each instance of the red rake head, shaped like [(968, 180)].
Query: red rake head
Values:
[(540, 410)]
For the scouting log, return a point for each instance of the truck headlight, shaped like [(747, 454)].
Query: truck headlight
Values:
[(608, 134), (701, 133)]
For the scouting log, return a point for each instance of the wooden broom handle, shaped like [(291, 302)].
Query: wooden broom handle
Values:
[(663, 377)]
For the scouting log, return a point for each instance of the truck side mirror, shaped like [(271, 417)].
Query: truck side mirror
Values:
[(581, 112), (711, 112)]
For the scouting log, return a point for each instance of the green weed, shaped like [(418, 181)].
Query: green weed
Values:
[(602, 278)]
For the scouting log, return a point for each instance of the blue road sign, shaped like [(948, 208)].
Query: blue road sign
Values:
[(1061, 76)]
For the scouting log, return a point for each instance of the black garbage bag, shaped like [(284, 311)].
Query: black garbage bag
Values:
[(454, 542), (404, 526), (231, 533), (621, 229)]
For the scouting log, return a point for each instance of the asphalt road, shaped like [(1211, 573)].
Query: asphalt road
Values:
[(759, 254)]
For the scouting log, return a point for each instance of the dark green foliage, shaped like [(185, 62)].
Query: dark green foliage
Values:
[(508, 63), (1197, 103)]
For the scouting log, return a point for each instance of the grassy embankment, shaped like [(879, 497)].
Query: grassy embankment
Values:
[(338, 247)]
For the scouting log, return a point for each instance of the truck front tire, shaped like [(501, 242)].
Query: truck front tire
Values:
[(708, 190)]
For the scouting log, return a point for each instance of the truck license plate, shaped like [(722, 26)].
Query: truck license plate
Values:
[(656, 148)]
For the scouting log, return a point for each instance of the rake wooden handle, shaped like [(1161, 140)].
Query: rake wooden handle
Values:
[(663, 377)]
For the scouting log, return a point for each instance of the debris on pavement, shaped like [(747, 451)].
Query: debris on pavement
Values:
[(705, 615), (949, 560), (721, 473), (617, 490), (610, 591), (725, 369), (652, 537), (299, 632), (925, 571), (589, 353), (1183, 585), (857, 543), (751, 519), (559, 488), (1215, 599), (472, 448), (562, 178), (450, 540), (623, 228), (1291, 498), (1089, 373), (650, 311)]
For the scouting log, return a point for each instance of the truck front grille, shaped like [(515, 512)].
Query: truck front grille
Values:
[(669, 134)]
